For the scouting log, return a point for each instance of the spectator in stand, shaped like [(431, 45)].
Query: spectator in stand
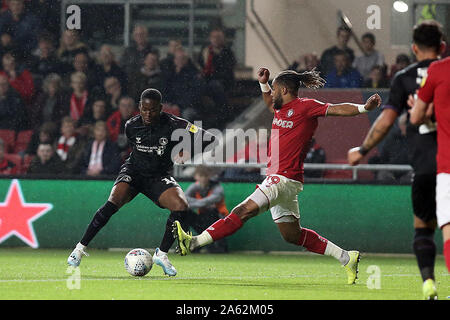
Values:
[(46, 162), (370, 58), (19, 78), (70, 146), (116, 122), (401, 62), (79, 97), (327, 59), (316, 154), (101, 155), (149, 76), (217, 61), (12, 108), (6, 167), (184, 86), (69, 46), (8, 45), (343, 75), (82, 63), (45, 62), (114, 92), (96, 112), (48, 13), (167, 64), (207, 200), (306, 62), (108, 67), (50, 104), (377, 78), (46, 134), (133, 56), (22, 25)]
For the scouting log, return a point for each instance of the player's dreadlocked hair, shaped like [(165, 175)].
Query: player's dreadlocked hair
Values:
[(151, 94), (293, 80)]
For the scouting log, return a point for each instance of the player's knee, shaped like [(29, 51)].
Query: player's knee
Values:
[(179, 205)]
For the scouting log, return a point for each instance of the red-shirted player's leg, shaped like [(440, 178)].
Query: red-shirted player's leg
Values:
[(310, 240), (446, 236), (227, 226)]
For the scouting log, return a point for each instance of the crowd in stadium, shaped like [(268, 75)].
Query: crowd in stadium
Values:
[(63, 106)]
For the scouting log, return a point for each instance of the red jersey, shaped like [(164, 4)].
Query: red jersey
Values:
[(437, 90), (293, 127)]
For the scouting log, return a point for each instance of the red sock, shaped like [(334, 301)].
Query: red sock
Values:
[(224, 227), (312, 241), (447, 254)]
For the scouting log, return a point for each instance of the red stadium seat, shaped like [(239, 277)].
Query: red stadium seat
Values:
[(22, 140), (16, 159), (9, 138)]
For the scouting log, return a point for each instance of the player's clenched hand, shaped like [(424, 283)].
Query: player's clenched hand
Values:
[(263, 75), (373, 102), (354, 156)]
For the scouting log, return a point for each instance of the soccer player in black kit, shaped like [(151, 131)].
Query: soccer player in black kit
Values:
[(147, 171), (422, 146)]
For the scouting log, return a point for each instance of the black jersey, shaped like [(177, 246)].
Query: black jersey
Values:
[(422, 140), (153, 144)]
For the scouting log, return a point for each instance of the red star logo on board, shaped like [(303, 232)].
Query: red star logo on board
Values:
[(17, 216)]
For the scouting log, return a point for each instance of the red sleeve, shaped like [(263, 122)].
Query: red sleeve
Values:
[(426, 92), (317, 108)]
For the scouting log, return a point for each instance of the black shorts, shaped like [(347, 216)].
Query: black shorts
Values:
[(423, 193), (151, 187)]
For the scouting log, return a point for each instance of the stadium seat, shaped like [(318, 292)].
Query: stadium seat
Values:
[(22, 140), (9, 138), (16, 159)]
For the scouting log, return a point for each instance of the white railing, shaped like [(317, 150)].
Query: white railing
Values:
[(178, 168)]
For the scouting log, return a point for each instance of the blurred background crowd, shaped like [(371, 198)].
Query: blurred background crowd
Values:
[(63, 104)]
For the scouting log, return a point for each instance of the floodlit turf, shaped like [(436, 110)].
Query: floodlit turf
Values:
[(44, 274)]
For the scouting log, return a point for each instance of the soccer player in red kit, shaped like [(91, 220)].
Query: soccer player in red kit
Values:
[(295, 121), (436, 90)]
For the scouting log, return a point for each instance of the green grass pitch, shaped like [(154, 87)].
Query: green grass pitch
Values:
[(44, 274)]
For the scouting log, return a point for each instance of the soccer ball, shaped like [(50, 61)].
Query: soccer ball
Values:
[(138, 262)]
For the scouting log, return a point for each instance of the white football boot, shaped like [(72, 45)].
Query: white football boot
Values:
[(74, 259), (163, 261)]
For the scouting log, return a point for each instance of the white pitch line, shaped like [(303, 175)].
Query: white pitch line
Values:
[(202, 278)]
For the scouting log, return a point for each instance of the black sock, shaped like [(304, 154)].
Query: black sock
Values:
[(168, 239), (101, 217), (425, 251)]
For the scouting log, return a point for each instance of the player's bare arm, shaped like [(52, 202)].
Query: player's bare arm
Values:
[(263, 78), (352, 109), (377, 132), (421, 112)]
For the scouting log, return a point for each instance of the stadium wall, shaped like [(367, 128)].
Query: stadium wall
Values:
[(304, 26), (370, 218)]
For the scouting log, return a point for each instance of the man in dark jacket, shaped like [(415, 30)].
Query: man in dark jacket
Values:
[(46, 162), (12, 109), (22, 26), (217, 60), (184, 86)]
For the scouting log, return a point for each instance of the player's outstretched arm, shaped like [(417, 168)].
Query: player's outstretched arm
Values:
[(377, 132), (352, 109), (263, 78)]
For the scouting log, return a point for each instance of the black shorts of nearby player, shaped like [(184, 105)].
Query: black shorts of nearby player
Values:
[(151, 187), (423, 193)]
